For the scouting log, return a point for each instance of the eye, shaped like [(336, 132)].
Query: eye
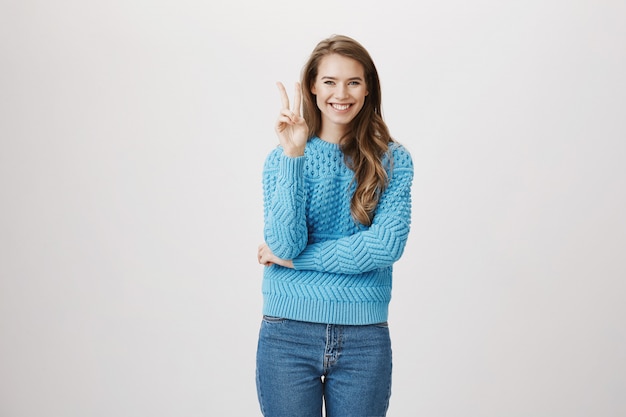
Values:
[(329, 82), (354, 83)]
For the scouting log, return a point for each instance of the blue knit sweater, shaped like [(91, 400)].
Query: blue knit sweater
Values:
[(342, 270)]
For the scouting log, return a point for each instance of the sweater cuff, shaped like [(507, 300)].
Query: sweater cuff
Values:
[(306, 260), (291, 168)]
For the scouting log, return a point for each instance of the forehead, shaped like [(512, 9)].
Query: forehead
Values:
[(339, 66)]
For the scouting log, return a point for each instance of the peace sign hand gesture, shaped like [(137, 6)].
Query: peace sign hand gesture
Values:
[(291, 127)]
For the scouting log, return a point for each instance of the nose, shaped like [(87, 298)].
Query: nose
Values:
[(341, 91)]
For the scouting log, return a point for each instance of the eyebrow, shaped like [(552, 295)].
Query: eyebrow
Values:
[(326, 77)]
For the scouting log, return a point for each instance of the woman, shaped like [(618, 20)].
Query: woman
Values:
[(337, 206)]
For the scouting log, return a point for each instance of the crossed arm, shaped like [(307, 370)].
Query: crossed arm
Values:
[(376, 246)]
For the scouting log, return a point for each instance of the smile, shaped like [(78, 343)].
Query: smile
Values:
[(341, 107)]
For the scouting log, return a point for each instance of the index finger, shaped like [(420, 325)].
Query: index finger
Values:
[(284, 98), (297, 99)]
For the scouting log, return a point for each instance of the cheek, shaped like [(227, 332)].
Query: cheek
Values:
[(319, 101)]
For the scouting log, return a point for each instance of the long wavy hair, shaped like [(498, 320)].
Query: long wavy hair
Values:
[(367, 138)]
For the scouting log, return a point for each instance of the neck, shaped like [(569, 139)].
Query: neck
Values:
[(332, 134)]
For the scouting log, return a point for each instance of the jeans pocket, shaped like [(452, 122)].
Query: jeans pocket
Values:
[(273, 319)]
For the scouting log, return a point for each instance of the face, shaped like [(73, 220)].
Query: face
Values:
[(340, 90)]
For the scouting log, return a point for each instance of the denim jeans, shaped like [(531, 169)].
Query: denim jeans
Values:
[(302, 367)]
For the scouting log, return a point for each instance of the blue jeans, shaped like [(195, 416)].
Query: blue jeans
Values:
[(302, 366)]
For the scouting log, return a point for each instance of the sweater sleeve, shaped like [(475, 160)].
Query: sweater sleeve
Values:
[(378, 246), (284, 204)]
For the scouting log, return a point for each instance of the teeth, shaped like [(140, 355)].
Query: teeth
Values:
[(341, 106)]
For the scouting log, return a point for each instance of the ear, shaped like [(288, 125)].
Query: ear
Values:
[(313, 89)]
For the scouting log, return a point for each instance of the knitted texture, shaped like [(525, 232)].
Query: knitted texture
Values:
[(342, 270)]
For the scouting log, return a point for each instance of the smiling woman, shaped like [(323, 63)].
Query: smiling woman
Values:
[(340, 93), (337, 212), (132, 138)]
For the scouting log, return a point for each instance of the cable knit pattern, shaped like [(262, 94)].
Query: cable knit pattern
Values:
[(342, 271)]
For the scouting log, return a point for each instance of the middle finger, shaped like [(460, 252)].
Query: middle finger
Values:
[(297, 99)]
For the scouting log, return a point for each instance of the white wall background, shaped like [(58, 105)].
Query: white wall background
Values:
[(132, 139)]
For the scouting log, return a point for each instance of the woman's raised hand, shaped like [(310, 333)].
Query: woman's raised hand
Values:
[(291, 127)]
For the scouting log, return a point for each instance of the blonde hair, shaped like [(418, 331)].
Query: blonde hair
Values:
[(367, 139)]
